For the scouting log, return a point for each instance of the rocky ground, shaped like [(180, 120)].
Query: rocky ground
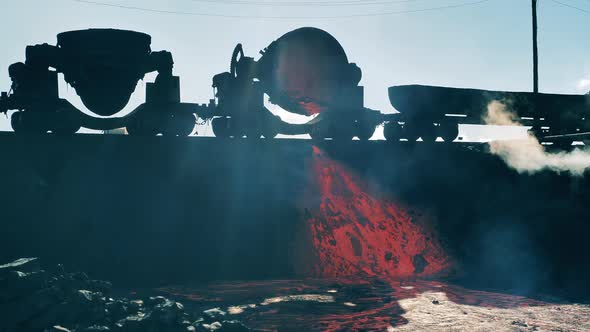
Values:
[(34, 298)]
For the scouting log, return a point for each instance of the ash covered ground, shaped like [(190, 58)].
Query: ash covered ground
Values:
[(35, 298)]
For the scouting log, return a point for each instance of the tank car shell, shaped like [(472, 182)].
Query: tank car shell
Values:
[(563, 113), (104, 65), (308, 67)]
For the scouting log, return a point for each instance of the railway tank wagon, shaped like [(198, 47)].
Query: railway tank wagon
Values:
[(305, 71), (431, 111), (104, 67)]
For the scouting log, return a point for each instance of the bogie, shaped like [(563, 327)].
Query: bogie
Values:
[(364, 130), (179, 124), (393, 131), (448, 131)]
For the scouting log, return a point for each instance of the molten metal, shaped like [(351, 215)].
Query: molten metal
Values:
[(356, 233)]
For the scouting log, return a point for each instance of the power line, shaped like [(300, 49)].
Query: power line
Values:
[(262, 2), (173, 12), (572, 6), (308, 3)]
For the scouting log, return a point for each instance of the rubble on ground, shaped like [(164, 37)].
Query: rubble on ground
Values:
[(36, 299)]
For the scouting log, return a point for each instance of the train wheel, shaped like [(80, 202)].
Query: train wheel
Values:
[(17, 122), (364, 130), (132, 128), (143, 125), (342, 134), (319, 131), (66, 128), (411, 132), (393, 131), (253, 133), (428, 132), (448, 131), (322, 131), (251, 129), (179, 124), (270, 127), (221, 127), (65, 123), (270, 132), (240, 128), (27, 122), (414, 131)]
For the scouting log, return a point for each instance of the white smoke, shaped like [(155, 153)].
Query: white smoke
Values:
[(584, 85), (528, 155)]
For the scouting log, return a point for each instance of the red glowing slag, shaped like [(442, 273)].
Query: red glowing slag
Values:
[(356, 233), (311, 108)]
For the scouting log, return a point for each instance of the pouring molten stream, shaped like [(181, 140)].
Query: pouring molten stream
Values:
[(306, 71), (355, 233)]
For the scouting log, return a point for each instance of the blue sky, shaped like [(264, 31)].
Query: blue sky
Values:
[(487, 45)]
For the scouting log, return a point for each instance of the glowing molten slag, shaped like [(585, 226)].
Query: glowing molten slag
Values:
[(355, 233)]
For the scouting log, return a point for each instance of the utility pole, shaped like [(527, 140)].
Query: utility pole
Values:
[(535, 50)]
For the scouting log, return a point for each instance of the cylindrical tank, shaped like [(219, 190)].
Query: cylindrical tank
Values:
[(104, 65), (307, 71), (564, 114)]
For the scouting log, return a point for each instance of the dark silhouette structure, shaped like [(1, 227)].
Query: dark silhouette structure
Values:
[(103, 66), (427, 109), (306, 71)]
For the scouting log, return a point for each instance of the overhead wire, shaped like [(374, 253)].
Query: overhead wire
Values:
[(174, 12), (307, 3), (572, 6)]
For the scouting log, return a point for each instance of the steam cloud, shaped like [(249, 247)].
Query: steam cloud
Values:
[(528, 155), (584, 85)]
